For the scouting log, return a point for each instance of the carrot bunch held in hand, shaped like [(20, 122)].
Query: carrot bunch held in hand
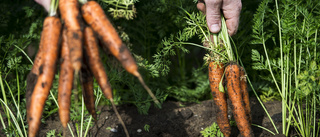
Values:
[(223, 70), (79, 56), (235, 79)]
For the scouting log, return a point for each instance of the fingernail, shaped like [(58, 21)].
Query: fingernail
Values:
[(215, 28)]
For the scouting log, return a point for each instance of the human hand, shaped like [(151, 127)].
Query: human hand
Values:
[(230, 9), (44, 3)]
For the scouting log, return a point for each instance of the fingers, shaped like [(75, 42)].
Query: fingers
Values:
[(231, 11), (201, 6), (213, 15), (44, 3)]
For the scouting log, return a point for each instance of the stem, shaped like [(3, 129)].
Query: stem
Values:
[(53, 7), (197, 45), (314, 115), (315, 45), (18, 110), (24, 54), (295, 50), (263, 128), (117, 5), (119, 117), (269, 66), (18, 87), (148, 90), (196, 24), (2, 122), (224, 35), (4, 98), (12, 118), (84, 1), (82, 115), (283, 86)]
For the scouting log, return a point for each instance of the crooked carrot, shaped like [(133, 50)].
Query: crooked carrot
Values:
[(94, 15), (92, 51)]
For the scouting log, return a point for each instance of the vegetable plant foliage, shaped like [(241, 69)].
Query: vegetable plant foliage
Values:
[(287, 33)]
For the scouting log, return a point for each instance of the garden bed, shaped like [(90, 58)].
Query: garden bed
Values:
[(173, 120)]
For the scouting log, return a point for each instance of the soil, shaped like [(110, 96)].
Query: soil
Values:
[(175, 119)]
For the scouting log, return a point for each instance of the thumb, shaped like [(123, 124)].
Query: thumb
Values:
[(213, 15)]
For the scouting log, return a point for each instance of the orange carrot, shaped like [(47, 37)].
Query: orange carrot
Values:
[(94, 62), (50, 49), (70, 14), (94, 15), (65, 82), (232, 72), (92, 51), (215, 76), (245, 94), (87, 88), (33, 74)]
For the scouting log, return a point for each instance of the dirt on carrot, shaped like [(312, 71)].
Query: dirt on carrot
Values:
[(232, 73), (216, 71), (70, 14), (65, 82), (51, 35), (92, 51), (86, 80), (94, 61), (245, 93)]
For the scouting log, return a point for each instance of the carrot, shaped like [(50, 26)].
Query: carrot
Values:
[(232, 72), (33, 74), (51, 35), (96, 18), (65, 82), (94, 62), (70, 14), (215, 76), (92, 51), (245, 94), (87, 86)]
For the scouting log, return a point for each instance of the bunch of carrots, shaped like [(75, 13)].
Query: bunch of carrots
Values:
[(235, 79), (225, 72), (74, 38)]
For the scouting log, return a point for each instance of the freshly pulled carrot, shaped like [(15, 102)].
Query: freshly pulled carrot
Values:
[(94, 62), (65, 82), (232, 72), (94, 15), (34, 74), (51, 34), (245, 94), (70, 14), (86, 79), (92, 51), (216, 71)]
